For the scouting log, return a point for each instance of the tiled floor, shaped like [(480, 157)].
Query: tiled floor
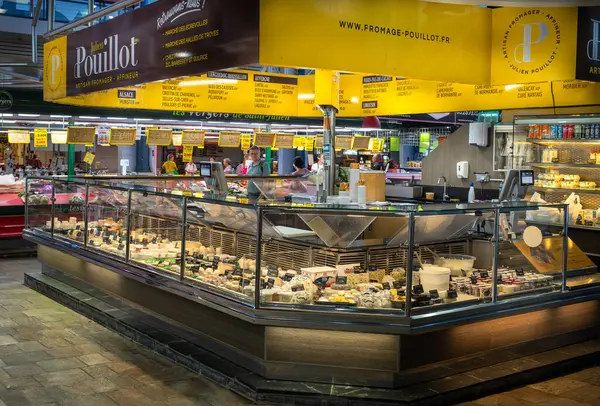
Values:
[(50, 355), (579, 389)]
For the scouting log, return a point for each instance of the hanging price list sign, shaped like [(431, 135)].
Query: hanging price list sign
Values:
[(194, 138), (40, 138)]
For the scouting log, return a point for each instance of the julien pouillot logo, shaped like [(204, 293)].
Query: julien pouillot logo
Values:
[(593, 44), (526, 43)]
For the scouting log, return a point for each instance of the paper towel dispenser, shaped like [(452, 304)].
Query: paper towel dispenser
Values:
[(479, 134)]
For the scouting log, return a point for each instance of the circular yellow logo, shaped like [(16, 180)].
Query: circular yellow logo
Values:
[(531, 41), (54, 68)]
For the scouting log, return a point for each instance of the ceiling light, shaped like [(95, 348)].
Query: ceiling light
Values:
[(6, 115), (9, 121), (59, 116), (28, 115), (89, 117), (142, 119), (116, 118)]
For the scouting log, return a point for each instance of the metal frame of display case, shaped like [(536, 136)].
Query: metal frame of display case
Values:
[(411, 320)]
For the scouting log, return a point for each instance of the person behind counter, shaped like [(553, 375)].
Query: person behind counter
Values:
[(191, 169), (299, 167), (378, 163), (227, 168), (170, 167), (258, 167), (319, 164)]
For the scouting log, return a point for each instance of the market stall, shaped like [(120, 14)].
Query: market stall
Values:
[(320, 273)]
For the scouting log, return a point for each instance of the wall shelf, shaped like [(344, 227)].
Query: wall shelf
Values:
[(546, 141), (566, 190), (549, 165)]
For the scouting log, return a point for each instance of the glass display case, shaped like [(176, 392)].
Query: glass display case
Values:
[(309, 259)]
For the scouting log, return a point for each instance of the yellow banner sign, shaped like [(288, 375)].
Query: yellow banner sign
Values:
[(385, 36), (320, 141), (245, 141), (158, 136), (264, 140), (299, 141), (284, 141), (188, 153), (375, 144), (58, 137), (360, 142), (343, 142), (193, 137), (229, 139), (364, 95), (40, 138), (89, 158), (81, 135), (19, 137), (309, 143), (533, 44), (122, 136)]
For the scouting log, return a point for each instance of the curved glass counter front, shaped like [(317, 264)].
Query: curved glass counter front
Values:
[(396, 266)]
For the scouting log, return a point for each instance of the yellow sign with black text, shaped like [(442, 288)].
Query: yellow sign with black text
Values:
[(81, 135), (122, 136), (19, 137), (533, 44), (89, 158), (193, 137), (410, 38), (40, 138), (55, 69), (245, 141), (158, 136), (188, 153)]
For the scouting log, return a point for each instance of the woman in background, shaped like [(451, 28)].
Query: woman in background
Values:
[(170, 167)]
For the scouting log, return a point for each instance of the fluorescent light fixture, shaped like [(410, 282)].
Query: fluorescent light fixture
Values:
[(192, 121), (8, 121), (203, 82), (211, 137), (44, 122), (164, 119), (354, 100), (237, 123), (6, 115), (28, 115), (142, 119), (116, 118), (306, 96), (59, 116), (510, 87), (89, 117)]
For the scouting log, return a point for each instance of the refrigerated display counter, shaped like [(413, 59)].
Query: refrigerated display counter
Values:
[(292, 291)]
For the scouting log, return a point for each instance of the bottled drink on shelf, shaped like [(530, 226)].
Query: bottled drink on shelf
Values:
[(577, 130)]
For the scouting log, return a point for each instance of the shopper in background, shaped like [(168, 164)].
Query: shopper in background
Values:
[(170, 167), (190, 168), (319, 164), (211, 160), (378, 163), (242, 168), (299, 167), (257, 167), (227, 168)]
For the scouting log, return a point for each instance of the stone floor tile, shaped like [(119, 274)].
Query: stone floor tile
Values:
[(128, 397), (60, 364), (531, 395), (14, 397), (502, 400), (6, 339), (96, 400), (587, 394), (28, 346), (584, 374), (157, 391), (67, 377), (93, 359), (99, 371), (25, 358), (558, 385), (121, 366), (54, 342), (21, 382), (17, 371), (566, 402)]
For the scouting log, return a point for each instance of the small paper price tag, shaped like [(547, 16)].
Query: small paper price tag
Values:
[(484, 274), (397, 285), (452, 294), (298, 288), (288, 277), (520, 272), (434, 294), (386, 286), (272, 273)]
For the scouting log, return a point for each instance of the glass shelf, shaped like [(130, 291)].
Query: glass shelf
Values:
[(550, 165), (548, 141), (565, 190)]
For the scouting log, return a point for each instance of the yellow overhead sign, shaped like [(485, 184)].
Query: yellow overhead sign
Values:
[(409, 38)]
